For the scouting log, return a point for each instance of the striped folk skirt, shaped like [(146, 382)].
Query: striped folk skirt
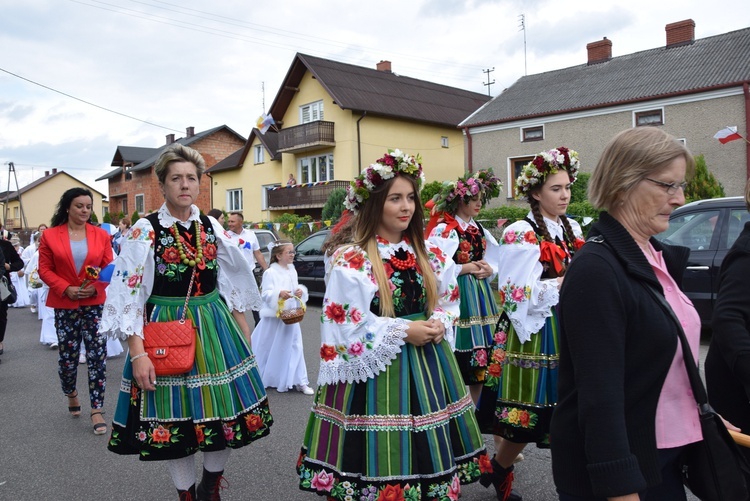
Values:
[(521, 388), (476, 327), (409, 433), (220, 403)]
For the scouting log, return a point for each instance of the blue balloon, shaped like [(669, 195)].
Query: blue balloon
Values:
[(105, 274)]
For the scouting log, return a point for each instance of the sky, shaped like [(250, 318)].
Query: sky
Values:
[(80, 77)]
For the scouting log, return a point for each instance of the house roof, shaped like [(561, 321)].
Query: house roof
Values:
[(133, 153), (709, 63), (13, 195), (380, 93), (269, 140)]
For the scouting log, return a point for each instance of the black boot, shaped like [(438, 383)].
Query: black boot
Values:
[(208, 489), (502, 479), (188, 495)]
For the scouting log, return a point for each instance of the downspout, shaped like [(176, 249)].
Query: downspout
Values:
[(469, 150), (359, 145), (746, 89)]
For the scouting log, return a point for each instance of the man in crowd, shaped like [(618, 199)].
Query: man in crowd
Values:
[(248, 242)]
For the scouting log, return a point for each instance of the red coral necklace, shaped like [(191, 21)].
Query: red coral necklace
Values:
[(404, 264)]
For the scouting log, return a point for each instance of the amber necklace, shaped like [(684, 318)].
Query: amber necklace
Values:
[(186, 255)]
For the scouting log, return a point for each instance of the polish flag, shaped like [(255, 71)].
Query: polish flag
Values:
[(727, 134)]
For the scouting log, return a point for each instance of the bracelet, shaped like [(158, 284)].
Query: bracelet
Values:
[(133, 359)]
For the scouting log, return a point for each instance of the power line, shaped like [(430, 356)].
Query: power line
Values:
[(88, 102)]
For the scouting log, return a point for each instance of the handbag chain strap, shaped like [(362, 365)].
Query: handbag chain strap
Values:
[(187, 299)]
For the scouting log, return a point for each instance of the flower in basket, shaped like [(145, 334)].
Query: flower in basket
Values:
[(92, 274)]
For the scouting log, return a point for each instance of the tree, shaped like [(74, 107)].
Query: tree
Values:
[(135, 217), (703, 184), (429, 190), (107, 218), (334, 205), (299, 227), (94, 219)]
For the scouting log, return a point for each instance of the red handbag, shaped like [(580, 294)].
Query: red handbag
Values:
[(171, 345)]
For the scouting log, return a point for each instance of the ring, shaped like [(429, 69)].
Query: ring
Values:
[(153, 382)]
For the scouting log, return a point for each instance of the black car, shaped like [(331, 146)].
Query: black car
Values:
[(309, 263), (708, 228)]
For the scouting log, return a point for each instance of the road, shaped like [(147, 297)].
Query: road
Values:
[(45, 454)]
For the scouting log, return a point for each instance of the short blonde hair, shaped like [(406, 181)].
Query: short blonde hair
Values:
[(178, 153), (628, 158)]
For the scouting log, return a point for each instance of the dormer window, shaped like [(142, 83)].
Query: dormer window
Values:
[(532, 133)]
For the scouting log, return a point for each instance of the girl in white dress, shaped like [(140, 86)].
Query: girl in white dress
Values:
[(18, 280), (278, 346)]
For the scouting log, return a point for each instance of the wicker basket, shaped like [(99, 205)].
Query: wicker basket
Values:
[(291, 315)]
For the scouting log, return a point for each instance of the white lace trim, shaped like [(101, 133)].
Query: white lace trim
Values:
[(371, 363), (130, 323), (166, 219), (547, 297)]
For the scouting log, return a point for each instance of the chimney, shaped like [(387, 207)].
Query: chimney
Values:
[(170, 139), (599, 52), (384, 66), (680, 33), (54, 171), (46, 173), (190, 131)]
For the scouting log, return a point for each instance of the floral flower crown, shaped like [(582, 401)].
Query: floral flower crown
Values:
[(482, 183), (394, 163), (545, 163)]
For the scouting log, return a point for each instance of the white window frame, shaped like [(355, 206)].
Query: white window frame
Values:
[(444, 141), (140, 197), (637, 114), (234, 200), (311, 112), (533, 128), (258, 154), (309, 168), (512, 193), (264, 194)]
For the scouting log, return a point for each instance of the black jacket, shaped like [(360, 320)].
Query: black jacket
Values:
[(616, 347), (9, 255)]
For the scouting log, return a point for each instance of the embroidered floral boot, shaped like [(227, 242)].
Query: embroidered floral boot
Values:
[(188, 495), (502, 479), (208, 489)]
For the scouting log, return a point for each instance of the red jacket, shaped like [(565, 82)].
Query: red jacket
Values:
[(57, 268)]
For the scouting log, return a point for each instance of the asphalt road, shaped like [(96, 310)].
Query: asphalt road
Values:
[(45, 454)]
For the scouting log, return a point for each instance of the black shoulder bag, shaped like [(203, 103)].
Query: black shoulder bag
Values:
[(714, 469), (8, 294)]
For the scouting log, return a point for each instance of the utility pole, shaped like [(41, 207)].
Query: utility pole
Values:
[(522, 19), (12, 169), (488, 83)]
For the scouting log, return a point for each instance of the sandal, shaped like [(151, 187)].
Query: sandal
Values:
[(75, 410), (99, 428)]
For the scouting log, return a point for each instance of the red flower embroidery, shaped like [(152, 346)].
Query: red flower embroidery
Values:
[(199, 435), (455, 293), (171, 255), (336, 312), (463, 257), (485, 466), (388, 269), (523, 417), (530, 237), (495, 370), (209, 251), (355, 259), (137, 233), (253, 422), (327, 352), (464, 246), (161, 435), (391, 493)]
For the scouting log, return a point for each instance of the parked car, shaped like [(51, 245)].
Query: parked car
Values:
[(264, 237), (309, 263), (708, 228)]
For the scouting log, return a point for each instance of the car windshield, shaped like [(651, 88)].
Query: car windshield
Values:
[(694, 230), (264, 239)]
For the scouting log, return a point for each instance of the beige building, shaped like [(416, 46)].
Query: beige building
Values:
[(690, 88), (331, 120), (36, 202)]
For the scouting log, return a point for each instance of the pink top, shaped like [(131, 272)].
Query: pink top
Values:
[(677, 413)]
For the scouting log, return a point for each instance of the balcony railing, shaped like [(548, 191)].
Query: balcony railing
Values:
[(304, 196), (306, 137)]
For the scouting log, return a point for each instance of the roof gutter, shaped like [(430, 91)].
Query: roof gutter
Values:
[(746, 90), (359, 145), (469, 149)]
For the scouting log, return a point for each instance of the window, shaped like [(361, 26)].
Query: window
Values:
[(264, 195), (444, 141), (15, 213), (694, 230), (514, 170), (105, 210), (139, 204), (532, 133), (313, 245), (311, 112), (317, 168), (124, 206), (234, 200), (650, 117), (258, 154)]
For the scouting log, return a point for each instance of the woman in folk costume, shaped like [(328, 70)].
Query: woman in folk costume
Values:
[(277, 345), (521, 389), (172, 261), (475, 251), (391, 418)]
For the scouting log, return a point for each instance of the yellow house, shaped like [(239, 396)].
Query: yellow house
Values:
[(331, 120), (35, 203)]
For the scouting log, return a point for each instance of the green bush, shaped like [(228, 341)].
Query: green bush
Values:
[(94, 219), (334, 205), (578, 190), (300, 229), (429, 190), (107, 218), (135, 217), (703, 184)]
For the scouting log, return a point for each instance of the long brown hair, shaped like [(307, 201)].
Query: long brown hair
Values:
[(366, 225)]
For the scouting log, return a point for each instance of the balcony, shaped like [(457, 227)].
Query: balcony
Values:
[(305, 137), (303, 196)]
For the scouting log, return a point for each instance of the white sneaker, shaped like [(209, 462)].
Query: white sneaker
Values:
[(33, 309), (82, 358), (53, 346), (281, 390), (303, 388)]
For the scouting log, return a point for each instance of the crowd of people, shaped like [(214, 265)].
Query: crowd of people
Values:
[(576, 350)]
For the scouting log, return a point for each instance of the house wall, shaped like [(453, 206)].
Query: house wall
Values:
[(695, 119)]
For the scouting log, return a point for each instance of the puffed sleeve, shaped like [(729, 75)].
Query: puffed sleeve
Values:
[(235, 273), (447, 308), (491, 252), (524, 296), (131, 284), (356, 344)]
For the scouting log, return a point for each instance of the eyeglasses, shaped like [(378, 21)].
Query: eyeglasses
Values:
[(670, 187)]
